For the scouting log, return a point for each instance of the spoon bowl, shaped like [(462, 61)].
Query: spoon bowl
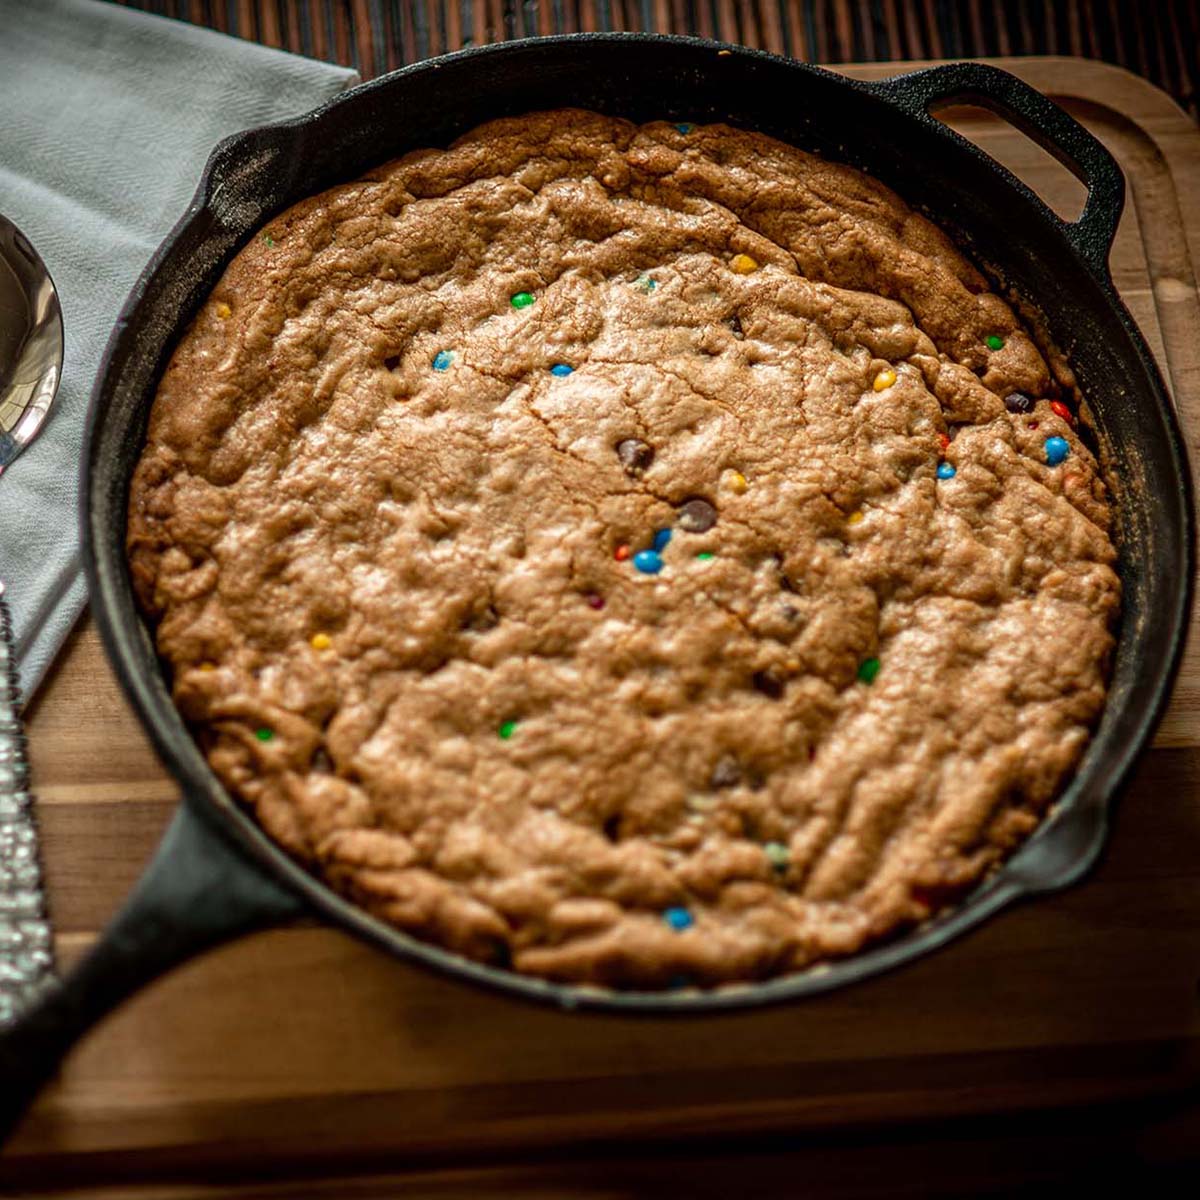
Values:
[(31, 342)]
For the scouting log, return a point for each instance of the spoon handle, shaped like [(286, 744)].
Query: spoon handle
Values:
[(26, 945)]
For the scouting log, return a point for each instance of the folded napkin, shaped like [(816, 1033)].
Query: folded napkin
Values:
[(106, 119)]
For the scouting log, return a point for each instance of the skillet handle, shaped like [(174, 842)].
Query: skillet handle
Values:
[(922, 93), (198, 891)]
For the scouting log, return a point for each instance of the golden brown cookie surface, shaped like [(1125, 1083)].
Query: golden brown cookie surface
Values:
[(558, 542)]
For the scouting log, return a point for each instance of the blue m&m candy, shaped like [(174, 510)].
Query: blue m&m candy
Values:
[(1057, 449), (945, 471), (442, 360), (649, 562), (561, 370), (661, 538), (679, 918)]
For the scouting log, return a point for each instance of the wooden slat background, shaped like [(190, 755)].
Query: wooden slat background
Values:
[(1154, 38)]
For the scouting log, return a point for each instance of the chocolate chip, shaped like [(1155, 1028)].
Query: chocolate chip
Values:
[(635, 455), (768, 683), (322, 762), (726, 773), (612, 827), (784, 581), (697, 516), (1017, 402), (790, 612), (392, 362)]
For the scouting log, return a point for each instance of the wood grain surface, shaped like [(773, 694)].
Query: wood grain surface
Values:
[(1156, 39), (301, 1063)]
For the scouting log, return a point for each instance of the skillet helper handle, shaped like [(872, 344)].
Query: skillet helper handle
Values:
[(198, 891), (922, 93)]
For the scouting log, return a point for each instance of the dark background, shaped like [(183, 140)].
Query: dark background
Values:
[(1155, 38)]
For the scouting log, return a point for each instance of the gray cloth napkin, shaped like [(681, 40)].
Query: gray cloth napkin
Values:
[(106, 119)]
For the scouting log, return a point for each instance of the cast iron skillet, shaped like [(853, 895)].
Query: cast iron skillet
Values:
[(216, 875)]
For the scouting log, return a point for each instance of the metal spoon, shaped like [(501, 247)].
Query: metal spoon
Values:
[(31, 342), (31, 356)]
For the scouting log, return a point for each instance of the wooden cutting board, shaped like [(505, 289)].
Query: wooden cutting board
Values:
[(301, 1052)]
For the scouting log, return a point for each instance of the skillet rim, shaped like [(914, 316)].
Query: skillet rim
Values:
[(124, 633)]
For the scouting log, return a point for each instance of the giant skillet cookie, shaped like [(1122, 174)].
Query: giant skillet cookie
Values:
[(642, 556)]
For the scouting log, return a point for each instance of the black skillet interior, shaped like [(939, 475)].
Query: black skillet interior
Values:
[(883, 128)]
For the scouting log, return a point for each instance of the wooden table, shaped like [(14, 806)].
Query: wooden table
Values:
[(303, 1057)]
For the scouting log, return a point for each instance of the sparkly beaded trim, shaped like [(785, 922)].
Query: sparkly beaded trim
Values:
[(26, 946)]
